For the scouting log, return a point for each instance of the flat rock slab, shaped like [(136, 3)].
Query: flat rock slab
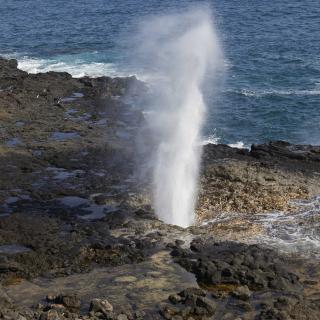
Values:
[(140, 286)]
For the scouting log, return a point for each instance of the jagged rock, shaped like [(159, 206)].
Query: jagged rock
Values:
[(97, 163), (209, 265), (50, 315), (263, 179), (174, 298), (207, 304), (192, 292), (169, 311), (242, 293), (188, 303), (71, 302), (51, 297), (5, 300), (101, 305)]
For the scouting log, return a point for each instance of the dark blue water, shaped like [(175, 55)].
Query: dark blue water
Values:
[(272, 50)]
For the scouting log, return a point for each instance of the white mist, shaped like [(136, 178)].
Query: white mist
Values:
[(180, 51)]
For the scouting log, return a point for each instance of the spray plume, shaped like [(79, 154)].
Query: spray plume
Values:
[(179, 50)]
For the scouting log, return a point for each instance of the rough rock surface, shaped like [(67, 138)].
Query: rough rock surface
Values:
[(72, 212), (240, 280), (263, 179)]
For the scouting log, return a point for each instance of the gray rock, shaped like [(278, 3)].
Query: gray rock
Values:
[(175, 298), (50, 315), (242, 293), (4, 298), (101, 305), (192, 291), (71, 302), (208, 305)]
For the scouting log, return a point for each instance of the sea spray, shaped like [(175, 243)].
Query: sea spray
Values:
[(178, 52)]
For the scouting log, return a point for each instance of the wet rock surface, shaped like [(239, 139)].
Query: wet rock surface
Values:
[(79, 238), (249, 282), (263, 179), (236, 264)]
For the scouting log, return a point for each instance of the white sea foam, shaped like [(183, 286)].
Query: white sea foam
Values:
[(214, 139), (291, 232), (77, 68), (238, 145), (295, 232), (210, 139), (291, 92)]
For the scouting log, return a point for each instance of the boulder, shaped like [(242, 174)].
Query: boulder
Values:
[(242, 293), (101, 305)]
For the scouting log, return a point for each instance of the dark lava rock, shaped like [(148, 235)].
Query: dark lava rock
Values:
[(283, 149), (71, 302), (97, 163), (246, 281), (187, 304), (238, 264), (192, 292), (174, 298), (242, 293), (63, 253)]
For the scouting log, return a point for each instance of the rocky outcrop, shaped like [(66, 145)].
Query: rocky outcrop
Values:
[(240, 281), (70, 207), (263, 179)]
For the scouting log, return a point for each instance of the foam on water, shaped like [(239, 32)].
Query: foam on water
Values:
[(293, 232), (289, 92), (214, 139), (238, 145), (210, 139), (77, 68)]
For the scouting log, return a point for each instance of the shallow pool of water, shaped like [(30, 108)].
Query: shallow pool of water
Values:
[(14, 142), (140, 285), (73, 201), (73, 97), (62, 136), (13, 249)]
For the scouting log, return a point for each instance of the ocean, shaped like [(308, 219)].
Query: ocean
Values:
[(271, 85)]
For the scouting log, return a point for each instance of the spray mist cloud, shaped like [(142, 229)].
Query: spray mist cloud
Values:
[(179, 50)]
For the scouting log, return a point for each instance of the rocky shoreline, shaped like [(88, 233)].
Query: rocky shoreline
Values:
[(79, 238)]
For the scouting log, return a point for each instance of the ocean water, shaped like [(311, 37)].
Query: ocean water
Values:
[(271, 85)]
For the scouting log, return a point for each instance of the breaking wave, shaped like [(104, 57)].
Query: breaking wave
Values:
[(210, 139), (75, 66), (214, 139)]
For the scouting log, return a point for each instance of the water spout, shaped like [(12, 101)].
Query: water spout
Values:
[(181, 50)]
